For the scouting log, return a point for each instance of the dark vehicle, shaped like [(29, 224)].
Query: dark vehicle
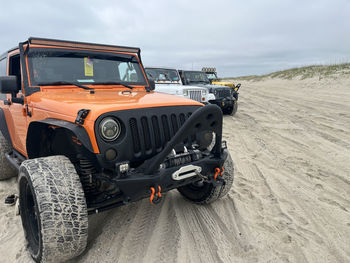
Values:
[(225, 97), (85, 132), (213, 78), (211, 74)]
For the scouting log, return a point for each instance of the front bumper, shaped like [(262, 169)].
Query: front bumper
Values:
[(168, 171), (223, 102), (136, 185)]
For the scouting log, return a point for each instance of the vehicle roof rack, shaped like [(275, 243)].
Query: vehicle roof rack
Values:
[(75, 44)]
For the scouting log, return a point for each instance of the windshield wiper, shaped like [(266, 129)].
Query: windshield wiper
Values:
[(65, 83), (113, 83)]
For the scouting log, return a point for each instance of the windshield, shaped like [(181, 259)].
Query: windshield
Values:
[(196, 76), (162, 75), (50, 66), (211, 75)]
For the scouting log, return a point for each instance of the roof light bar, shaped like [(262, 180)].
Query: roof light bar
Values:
[(209, 69), (73, 44)]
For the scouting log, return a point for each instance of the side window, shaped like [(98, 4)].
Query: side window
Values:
[(15, 69), (3, 72)]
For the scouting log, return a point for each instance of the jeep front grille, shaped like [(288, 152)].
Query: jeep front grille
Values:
[(145, 132), (223, 93), (155, 131), (195, 95)]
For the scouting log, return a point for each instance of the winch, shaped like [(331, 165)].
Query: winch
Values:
[(187, 156)]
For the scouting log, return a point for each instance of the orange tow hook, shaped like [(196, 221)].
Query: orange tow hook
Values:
[(218, 172), (155, 196)]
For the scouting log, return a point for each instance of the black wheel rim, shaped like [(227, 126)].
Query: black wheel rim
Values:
[(196, 191), (29, 213)]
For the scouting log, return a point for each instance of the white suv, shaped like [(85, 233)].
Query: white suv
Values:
[(168, 81)]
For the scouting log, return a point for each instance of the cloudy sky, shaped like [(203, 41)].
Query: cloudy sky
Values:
[(237, 37)]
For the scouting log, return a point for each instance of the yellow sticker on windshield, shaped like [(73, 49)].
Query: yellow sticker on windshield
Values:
[(89, 67)]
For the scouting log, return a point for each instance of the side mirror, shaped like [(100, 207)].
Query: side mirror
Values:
[(237, 86), (8, 85), (152, 84)]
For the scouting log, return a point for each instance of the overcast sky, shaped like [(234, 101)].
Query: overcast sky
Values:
[(237, 37)]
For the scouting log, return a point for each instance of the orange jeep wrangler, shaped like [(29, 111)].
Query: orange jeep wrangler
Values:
[(84, 131)]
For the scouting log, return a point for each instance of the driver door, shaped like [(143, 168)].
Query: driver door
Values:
[(15, 113)]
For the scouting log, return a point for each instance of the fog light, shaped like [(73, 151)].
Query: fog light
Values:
[(123, 168), (223, 145), (110, 154)]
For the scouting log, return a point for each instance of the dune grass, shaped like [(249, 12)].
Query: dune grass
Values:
[(318, 71)]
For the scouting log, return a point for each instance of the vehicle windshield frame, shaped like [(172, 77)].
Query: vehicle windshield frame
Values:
[(100, 55)]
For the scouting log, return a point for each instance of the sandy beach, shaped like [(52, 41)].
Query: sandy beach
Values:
[(290, 142)]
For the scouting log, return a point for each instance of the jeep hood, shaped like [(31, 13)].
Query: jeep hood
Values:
[(172, 88), (69, 102), (177, 86), (221, 83)]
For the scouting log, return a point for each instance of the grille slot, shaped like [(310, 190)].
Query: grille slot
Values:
[(182, 119), (156, 131), (135, 135), (174, 123), (166, 128), (195, 95), (224, 93), (146, 133)]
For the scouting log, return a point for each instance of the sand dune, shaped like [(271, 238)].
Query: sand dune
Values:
[(290, 142)]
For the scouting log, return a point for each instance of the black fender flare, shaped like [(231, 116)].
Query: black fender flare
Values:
[(77, 130), (3, 126)]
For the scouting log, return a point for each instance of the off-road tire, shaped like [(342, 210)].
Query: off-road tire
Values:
[(6, 169), (231, 110), (209, 193), (57, 230)]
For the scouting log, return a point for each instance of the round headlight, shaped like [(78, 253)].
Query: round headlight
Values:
[(109, 129)]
